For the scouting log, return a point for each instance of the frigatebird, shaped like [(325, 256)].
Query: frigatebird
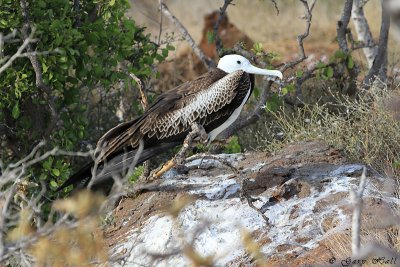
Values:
[(213, 100)]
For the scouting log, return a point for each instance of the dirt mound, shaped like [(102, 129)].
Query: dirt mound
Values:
[(303, 191)]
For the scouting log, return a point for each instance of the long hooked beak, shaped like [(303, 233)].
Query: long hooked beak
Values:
[(254, 70)]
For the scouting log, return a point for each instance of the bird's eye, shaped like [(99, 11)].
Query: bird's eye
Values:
[(238, 62)]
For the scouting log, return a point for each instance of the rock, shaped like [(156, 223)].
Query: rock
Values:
[(303, 191)]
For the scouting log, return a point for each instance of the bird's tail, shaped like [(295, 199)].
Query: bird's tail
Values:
[(103, 175)]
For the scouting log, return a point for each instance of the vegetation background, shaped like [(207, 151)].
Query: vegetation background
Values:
[(77, 85)]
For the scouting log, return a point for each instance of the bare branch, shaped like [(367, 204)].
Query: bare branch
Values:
[(179, 158), (301, 37), (77, 13), (222, 15), (38, 72), (145, 106), (342, 25), (161, 23), (357, 200), (251, 117), (209, 63), (143, 96), (18, 54), (363, 31), (276, 7), (379, 66)]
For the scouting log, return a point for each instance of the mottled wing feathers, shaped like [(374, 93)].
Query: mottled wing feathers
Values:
[(173, 111), (195, 107)]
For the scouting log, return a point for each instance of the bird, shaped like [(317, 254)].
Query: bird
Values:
[(214, 100)]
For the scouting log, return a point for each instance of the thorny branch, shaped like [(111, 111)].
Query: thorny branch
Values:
[(209, 63), (222, 15)]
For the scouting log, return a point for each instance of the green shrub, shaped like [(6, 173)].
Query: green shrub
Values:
[(91, 51)]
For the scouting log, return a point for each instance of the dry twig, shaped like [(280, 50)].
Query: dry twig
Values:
[(222, 15), (259, 109), (179, 158), (209, 63)]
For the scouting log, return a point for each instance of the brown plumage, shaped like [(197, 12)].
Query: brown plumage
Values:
[(209, 100)]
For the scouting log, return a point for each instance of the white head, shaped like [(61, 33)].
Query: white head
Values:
[(231, 63)]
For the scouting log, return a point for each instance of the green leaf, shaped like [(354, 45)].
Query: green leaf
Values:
[(170, 47), (63, 59), (299, 73), (320, 65), (47, 163), (111, 3), (256, 92), (350, 62), (274, 103), (339, 54), (136, 173), (284, 91), (257, 47), (55, 172), (329, 72), (53, 183), (233, 146), (15, 111), (45, 67), (164, 52), (290, 87), (3, 22)]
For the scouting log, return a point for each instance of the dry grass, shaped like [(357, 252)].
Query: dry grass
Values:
[(366, 129)]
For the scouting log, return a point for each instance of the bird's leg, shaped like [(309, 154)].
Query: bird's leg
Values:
[(179, 158)]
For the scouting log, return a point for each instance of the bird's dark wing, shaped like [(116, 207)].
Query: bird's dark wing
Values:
[(170, 113), (208, 100)]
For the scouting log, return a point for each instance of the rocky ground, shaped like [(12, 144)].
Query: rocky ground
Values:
[(303, 191)]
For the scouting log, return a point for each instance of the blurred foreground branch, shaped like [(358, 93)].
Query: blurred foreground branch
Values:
[(357, 201), (14, 200)]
